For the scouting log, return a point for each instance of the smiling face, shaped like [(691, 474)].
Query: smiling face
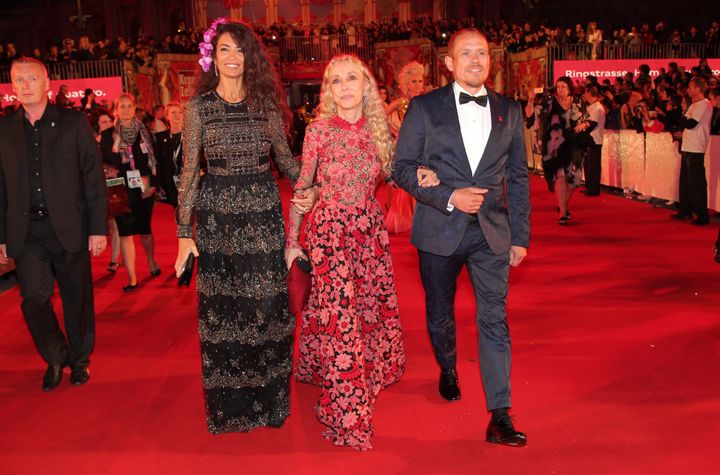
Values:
[(346, 85), (125, 109), (229, 57), (469, 60), (175, 116), (30, 83)]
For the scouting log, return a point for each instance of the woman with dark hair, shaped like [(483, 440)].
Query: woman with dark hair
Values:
[(559, 117), (238, 120)]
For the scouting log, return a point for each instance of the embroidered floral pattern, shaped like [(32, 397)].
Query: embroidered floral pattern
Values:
[(351, 338)]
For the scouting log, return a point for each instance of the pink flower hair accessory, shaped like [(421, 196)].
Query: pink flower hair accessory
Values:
[(206, 47)]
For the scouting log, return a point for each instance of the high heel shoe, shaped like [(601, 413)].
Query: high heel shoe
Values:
[(112, 267), (155, 272), (129, 287)]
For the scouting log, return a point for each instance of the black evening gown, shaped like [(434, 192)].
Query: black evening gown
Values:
[(246, 330)]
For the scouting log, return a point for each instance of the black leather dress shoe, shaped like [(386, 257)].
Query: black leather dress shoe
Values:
[(701, 221), (500, 430), (448, 387), (681, 216), (79, 376), (52, 377)]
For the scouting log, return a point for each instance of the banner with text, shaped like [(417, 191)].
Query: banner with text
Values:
[(106, 90), (603, 69)]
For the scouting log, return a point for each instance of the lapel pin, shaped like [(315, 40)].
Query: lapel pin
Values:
[(500, 119)]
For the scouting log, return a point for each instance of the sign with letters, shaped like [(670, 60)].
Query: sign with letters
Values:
[(106, 90), (603, 69)]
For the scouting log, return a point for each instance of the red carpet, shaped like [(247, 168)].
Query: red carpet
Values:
[(615, 323)]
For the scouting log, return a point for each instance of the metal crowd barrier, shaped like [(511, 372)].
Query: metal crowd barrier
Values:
[(322, 48), (77, 70)]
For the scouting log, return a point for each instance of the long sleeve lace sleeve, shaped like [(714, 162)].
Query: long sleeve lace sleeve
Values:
[(190, 176), (308, 168), (281, 151)]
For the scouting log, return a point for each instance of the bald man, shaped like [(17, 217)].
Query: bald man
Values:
[(479, 215)]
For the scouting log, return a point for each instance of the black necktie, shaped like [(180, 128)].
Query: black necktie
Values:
[(465, 98)]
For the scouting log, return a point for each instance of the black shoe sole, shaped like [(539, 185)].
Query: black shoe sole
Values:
[(509, 443)]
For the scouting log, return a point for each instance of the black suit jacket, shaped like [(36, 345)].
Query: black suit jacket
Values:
[(72, 178), (430, 136)]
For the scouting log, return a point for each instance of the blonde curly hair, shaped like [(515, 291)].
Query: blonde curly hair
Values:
[(372, 108), (409, 70)]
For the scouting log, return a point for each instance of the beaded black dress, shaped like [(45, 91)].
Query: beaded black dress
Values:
[(246, 330)]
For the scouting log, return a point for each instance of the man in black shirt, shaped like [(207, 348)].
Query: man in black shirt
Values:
[(53, 210)]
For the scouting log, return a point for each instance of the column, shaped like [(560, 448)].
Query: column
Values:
[(438, 10), (199, 14), (404, 10), (337, 12), (305, 11), (110, 15), (370, 11)]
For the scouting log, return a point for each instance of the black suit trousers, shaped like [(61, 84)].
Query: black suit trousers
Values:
[(593, 168), (43, 260), (489, 276), (693, 185)]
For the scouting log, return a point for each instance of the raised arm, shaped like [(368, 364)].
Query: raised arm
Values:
[(190, 177)]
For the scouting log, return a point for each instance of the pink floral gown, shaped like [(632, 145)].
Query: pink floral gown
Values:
[(350, 340)]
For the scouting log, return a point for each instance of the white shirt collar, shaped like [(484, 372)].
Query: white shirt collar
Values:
[(457, 89)]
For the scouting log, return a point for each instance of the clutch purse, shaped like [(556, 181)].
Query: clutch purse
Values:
[(299, 283), (187, 272), (118, 200)]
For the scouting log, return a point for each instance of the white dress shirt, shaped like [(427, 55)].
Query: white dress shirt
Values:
[(475, 124)]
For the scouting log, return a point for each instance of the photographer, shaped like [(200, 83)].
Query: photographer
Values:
[(649, 118), (630, 117)]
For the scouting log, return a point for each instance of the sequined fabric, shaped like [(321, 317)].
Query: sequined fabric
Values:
[(246, 331), (350, 339)]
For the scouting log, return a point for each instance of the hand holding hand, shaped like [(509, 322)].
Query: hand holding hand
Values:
[(291, 254), (185, 247), (427, 177), (304, 200), (468, 200)]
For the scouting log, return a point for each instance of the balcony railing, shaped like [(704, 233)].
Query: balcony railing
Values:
[(323, 47), (629, 51), (79, 70)]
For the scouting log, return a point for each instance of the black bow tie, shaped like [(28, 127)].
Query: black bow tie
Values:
[(465, 98)]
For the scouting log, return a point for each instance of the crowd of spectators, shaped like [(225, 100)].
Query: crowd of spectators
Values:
[(514, 37), (646, 104)]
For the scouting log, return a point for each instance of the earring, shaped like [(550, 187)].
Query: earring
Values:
[(215, 64)]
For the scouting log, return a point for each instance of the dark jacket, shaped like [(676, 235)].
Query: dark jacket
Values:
[(72, 177), (430, 136)]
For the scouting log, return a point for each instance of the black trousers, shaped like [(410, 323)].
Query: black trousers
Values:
[(489, 276), (42, 261), (593, 169), (693, 185)]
